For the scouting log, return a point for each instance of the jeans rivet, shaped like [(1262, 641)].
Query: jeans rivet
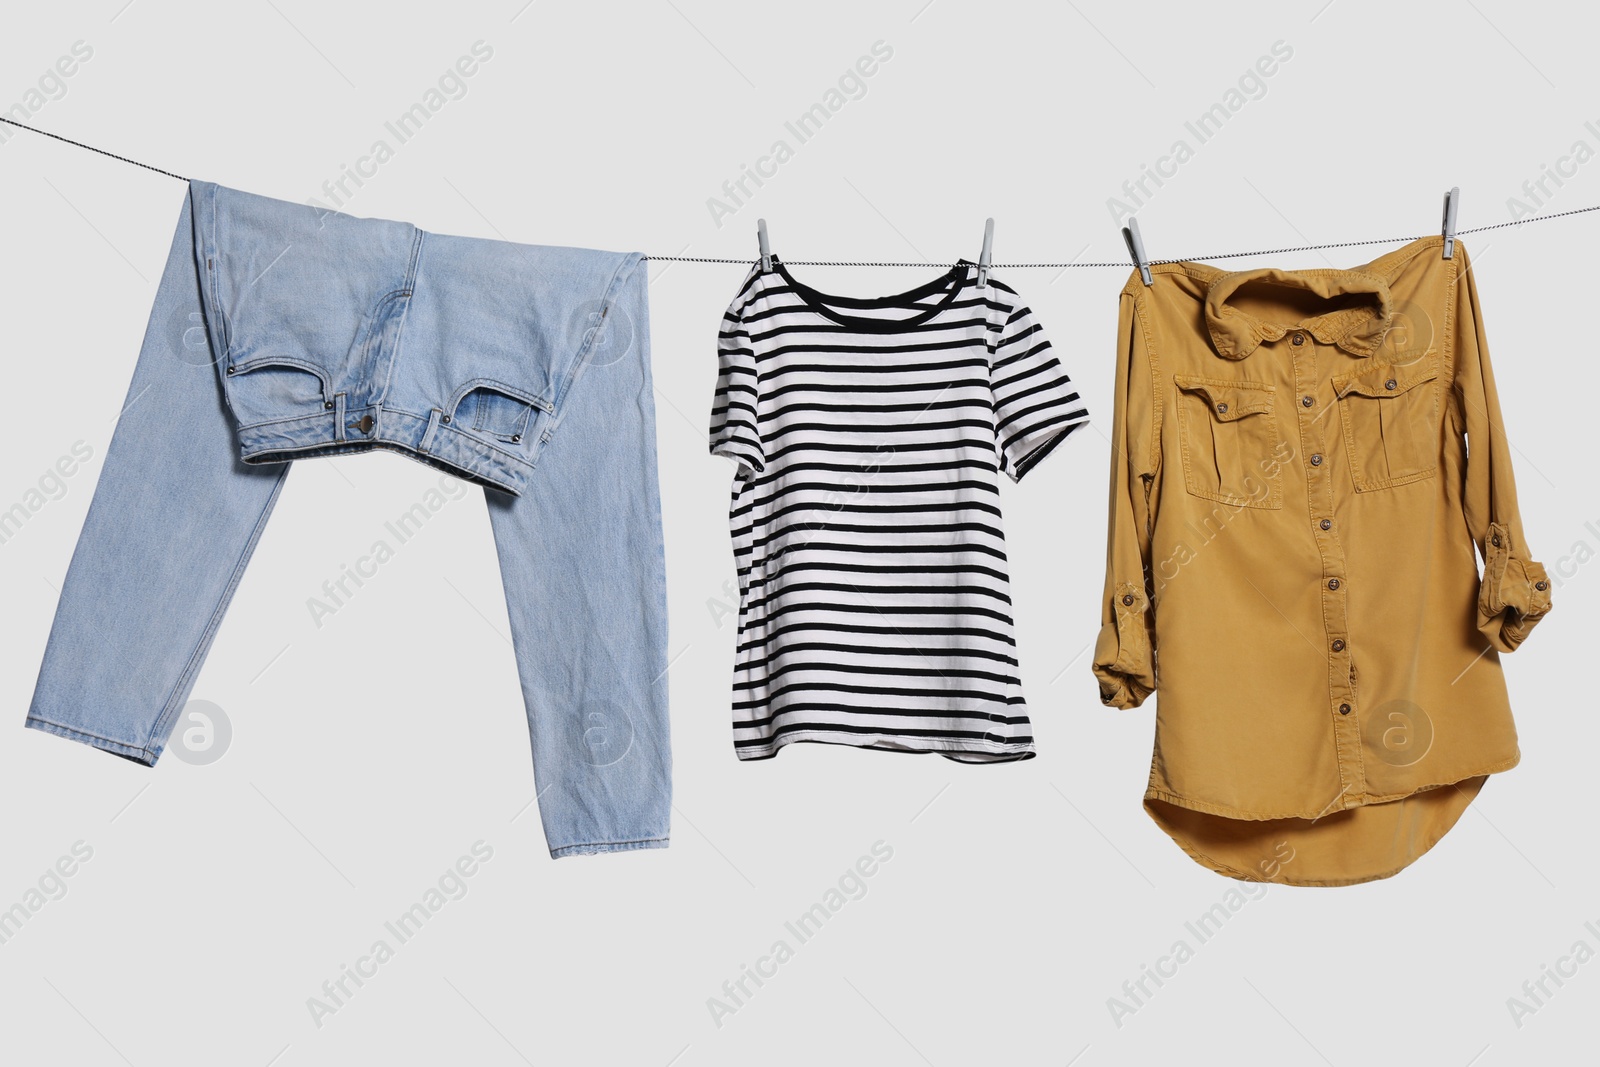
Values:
[(516, 437), (327, 404), (445, 419)]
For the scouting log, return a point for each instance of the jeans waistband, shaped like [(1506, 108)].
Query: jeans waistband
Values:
[(336, 334)]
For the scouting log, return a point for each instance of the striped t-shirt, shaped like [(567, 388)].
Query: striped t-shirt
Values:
[(874, 607)]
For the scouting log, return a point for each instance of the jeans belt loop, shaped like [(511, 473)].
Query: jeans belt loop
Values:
[(426, 444)]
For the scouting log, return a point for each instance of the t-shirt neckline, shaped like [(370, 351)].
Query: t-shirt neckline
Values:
[(819, 302)]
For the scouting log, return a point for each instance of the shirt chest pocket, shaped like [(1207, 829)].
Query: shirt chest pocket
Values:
[(1229, 437), (1391, 423)]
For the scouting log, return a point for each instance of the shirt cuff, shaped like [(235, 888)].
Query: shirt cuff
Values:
[(1122, 662), (1514, 595)]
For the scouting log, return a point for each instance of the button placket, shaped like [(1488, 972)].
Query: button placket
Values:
[(1330, 550)]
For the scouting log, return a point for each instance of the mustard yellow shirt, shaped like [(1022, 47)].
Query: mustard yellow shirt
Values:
[(1304, 465)]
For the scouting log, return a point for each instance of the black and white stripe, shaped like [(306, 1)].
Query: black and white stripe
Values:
[(870, 434)]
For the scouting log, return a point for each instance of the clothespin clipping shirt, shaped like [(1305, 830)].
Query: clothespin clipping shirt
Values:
[(1130, 234)]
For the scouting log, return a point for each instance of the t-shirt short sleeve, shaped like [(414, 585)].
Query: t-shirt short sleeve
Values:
[(1035, 404), (734, 432)]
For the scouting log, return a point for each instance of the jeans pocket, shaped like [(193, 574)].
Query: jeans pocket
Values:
[(1229, 434), (1391, 423), (498, 411), (274, 389)]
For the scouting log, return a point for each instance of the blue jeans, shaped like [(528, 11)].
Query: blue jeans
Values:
[(282, 332)]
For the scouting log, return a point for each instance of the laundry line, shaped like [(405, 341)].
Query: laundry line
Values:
[(1066, 265)]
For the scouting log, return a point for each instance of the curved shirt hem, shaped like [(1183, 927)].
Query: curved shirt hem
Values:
[(1228, 811)]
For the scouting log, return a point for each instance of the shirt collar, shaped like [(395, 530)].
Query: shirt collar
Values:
[(1235, 332)]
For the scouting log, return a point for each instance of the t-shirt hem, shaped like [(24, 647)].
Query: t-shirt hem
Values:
[(1003, 753)]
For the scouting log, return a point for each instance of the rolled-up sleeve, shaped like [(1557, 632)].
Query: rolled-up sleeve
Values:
[(1124, 655), (1515, 591)]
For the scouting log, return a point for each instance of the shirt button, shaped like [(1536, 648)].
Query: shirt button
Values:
[(1316, 459), (1222, 409), (1326, 524), (1541, 586), (1127, 599), (1495, 541), (1333, 583), (1391, 385), (1307, 401), (1298, 338), (1344, 709), (1338, 645)]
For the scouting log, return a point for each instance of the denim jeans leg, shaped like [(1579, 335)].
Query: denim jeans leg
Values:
[(582, 560), (174, 518)]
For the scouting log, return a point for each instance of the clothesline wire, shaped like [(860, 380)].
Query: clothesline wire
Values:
[(1123, 264), (1119, 264), (90, 147)]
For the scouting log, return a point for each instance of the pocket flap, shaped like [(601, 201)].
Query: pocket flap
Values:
[(1228, 400), (1388, 380)]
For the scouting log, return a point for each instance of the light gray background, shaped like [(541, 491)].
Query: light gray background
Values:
[(367, 755)]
